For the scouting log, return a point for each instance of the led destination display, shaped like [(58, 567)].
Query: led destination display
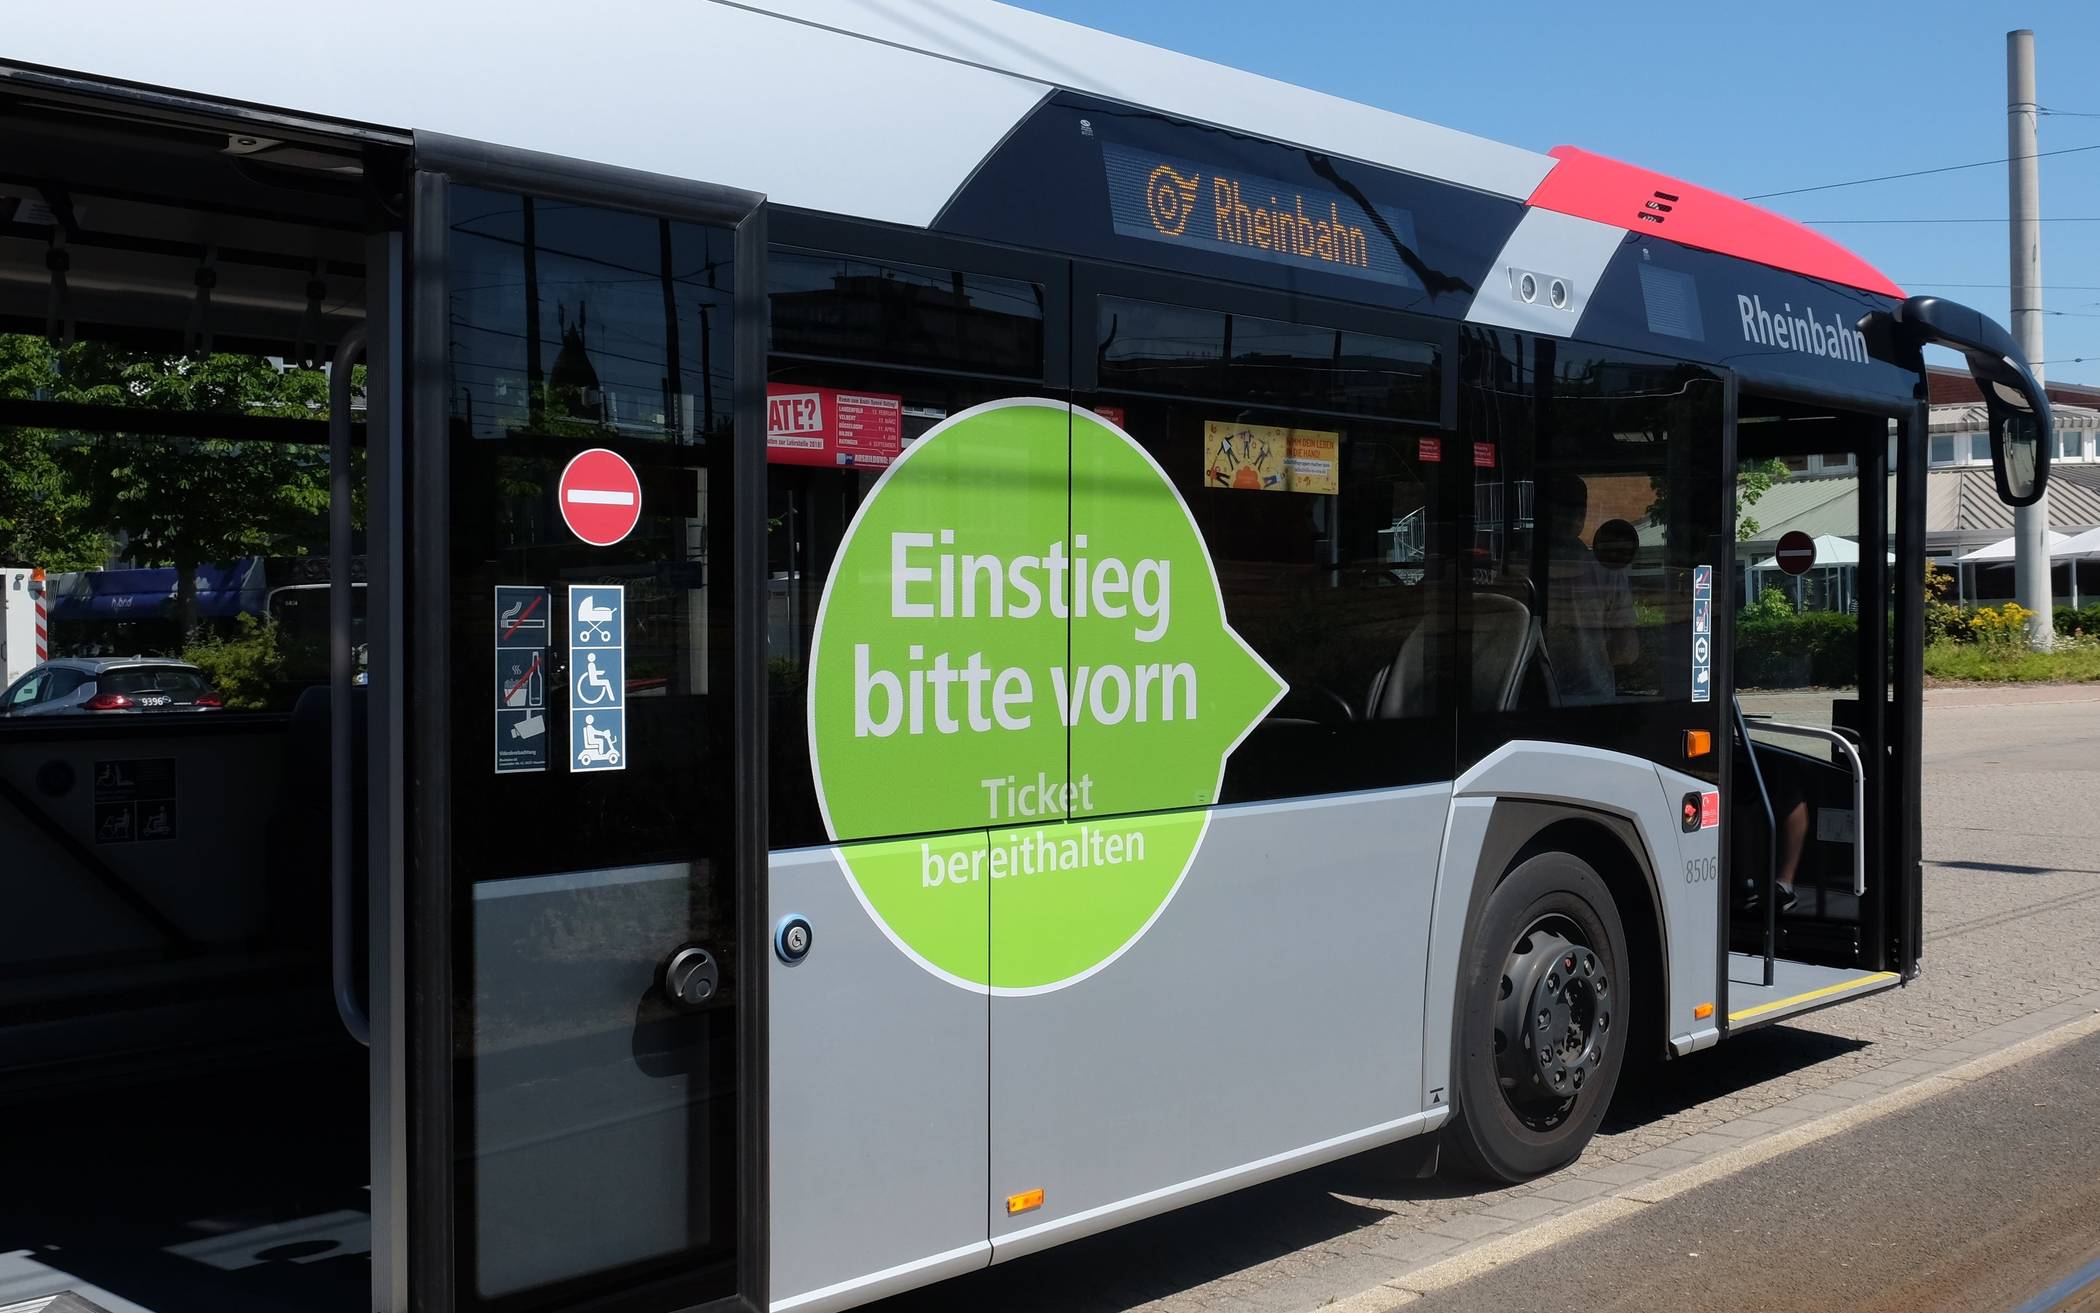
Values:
[(1162, 198)]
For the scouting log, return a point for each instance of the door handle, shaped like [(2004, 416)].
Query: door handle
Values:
[(692, 976), (341, 894)]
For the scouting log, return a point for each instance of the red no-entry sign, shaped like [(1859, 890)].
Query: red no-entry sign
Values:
[(1796, 553), (601, 499)]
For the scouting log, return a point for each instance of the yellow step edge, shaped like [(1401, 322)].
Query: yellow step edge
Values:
[(1872, 978)]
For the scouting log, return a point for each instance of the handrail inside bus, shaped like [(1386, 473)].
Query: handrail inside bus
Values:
[(341, 892), (1764, 798), (1859, 789)]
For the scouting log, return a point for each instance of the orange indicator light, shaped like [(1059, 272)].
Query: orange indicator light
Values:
[(1703, 1011), (1023, 1202), (1698, 742)]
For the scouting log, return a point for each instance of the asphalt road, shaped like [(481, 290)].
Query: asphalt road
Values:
[(1974, 1200), (2011, 824)]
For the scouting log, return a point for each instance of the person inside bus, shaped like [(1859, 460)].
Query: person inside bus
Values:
[(1589, 606), (1788, 790)]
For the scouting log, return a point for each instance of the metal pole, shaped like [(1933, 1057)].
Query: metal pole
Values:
[(2032, 586)]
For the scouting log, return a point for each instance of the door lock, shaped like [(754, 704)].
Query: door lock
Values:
[(792, 939), (692, 976)]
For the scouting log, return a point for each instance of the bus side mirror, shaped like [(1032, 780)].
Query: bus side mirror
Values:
[(2019, 453), (2015, 403)]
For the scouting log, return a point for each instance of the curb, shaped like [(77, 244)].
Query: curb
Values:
[(1468, 1263)]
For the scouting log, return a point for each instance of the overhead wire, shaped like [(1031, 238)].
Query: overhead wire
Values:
[(2068, 218), (1920, 173)]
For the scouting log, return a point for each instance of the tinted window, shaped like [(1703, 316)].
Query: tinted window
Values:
[(596, 1117), (1597, 497), (1323, 524), (1185, 351), (832, 306), (166, 679), (844, 332)]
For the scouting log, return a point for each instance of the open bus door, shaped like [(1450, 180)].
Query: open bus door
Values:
[(1826, 883), (577, 962)]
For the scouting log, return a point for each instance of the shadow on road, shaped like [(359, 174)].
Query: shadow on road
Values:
[(1213, 1240), (1669, 1088)]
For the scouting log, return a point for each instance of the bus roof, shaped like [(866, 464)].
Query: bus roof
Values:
[(879, 110)]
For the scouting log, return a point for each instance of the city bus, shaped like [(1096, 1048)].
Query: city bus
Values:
[(968, 631)]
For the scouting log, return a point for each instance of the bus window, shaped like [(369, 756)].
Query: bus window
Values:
[(1292, 447), (903, 347), (1597, 498)]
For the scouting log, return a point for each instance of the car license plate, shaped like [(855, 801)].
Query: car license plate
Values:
[(160, 701)]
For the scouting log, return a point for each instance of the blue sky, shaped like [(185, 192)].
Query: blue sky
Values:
[(1744, 99)]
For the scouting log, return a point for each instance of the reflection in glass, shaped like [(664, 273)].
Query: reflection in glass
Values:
[(595, 1117)]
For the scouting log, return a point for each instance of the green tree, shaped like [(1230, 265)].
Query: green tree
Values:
[(178, 501), (1753, 479), (45, 519)]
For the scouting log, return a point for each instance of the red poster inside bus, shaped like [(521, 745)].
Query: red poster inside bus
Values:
[(831, 427)]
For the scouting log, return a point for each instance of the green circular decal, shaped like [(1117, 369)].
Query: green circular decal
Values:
[(1022, 651)]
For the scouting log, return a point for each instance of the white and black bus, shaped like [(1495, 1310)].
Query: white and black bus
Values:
[(965, 631)]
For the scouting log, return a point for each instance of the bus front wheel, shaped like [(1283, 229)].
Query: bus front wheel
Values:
[(1542, 1026)]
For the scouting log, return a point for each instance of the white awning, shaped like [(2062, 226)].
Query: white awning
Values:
[(1830, 550), (2002, 550), (2079, 546)]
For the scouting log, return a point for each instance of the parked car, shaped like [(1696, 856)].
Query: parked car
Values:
[(109, 685)]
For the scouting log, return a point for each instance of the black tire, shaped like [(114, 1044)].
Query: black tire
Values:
[(1545, 974)]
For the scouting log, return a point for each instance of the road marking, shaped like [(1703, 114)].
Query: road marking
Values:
[(1825, 992), (1468, 1263), (2060, 1294)]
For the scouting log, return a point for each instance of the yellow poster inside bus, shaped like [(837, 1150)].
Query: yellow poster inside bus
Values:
[(1265, 458)]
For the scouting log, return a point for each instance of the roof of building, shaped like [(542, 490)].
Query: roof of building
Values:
[(1961, 506), (1953, 385), (2063, 416), (1973, 507)]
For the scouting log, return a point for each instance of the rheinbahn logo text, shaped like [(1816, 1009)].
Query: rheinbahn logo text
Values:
[(1801, 332)]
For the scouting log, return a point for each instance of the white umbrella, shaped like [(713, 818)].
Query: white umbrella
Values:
[(2002, 550), (1830, 550), (2080, 545)]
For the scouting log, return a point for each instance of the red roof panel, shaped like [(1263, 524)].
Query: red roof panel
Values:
[(1595, 187)]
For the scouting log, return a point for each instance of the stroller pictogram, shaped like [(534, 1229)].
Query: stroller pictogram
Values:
[(596, 621)]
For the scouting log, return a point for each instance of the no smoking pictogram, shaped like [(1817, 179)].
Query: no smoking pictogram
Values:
[(601, 499)]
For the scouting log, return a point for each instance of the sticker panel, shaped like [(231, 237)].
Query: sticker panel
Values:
[(524, 621), (1702, 633), (597, 677)]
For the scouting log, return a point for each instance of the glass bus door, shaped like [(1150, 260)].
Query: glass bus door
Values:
[(578, 964), (1812, 672)]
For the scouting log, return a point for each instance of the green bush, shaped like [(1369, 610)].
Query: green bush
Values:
[(1943, 619), (2079, 620), (245, 666), (1787, 650)]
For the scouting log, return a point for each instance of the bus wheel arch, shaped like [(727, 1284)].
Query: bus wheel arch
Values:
[(1583, 882)]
